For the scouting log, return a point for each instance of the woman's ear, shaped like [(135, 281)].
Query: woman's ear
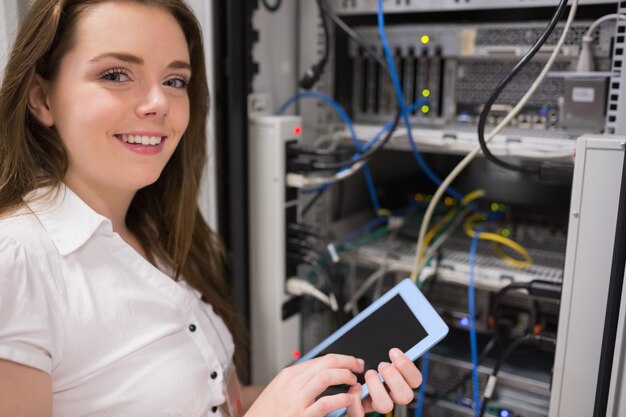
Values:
[(38, 101)]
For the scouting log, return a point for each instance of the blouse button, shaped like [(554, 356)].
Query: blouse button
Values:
[(213, 409), (213, 375), (192, 327)]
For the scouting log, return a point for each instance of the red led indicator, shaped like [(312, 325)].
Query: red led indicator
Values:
[(296, 354), (297, 130)]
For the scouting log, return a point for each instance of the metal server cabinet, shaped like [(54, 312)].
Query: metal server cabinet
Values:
[(588, 373), (589, 363)]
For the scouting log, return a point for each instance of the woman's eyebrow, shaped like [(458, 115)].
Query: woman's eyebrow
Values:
[(131, 59), (134, 59)]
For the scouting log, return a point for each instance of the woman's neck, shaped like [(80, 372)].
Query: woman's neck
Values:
[(110, 203)]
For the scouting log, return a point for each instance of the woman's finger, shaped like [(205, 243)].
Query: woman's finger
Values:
[(399, 389), (406, 367), (356, 409), (333, 360), (381, 402), (327, 378), (329, 403)]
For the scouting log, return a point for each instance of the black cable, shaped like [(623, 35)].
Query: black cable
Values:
[(299, 258), (271, 7), (496, 308), (534, 339), (365, 156), (305, 247), (296, 150), (327, 8), (535, 288), (324, 166), (486, 350), (312, 201), (503, 83), (314, 73), (310, 231)]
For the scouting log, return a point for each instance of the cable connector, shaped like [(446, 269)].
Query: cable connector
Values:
[(586, 60), (312, 75), (490, 387), (298, 287)]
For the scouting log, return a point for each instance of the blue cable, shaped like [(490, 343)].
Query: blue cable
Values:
[(346, 119), (361, 230), (422, 392), (405, 114), (472, 320), (377, 221)]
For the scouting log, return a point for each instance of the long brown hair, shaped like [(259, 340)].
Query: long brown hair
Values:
[(164, 216)]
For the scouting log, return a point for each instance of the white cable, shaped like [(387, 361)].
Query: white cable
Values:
[(451, 229), (601, 20), (585, 57), (303, 181), (378, 274), (469, 157), (296, 286)]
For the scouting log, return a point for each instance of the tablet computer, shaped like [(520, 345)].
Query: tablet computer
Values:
[(402, 318)]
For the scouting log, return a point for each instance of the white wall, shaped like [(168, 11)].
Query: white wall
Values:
[(8, 27)]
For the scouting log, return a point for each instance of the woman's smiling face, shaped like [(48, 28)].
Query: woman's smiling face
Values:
[(119, 100)]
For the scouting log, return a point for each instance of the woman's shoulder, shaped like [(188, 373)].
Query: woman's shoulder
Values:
[(21, 229)]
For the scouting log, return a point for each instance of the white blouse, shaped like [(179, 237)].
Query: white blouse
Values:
[(118, 336)]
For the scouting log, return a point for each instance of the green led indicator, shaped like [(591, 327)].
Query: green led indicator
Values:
[(425, 109)]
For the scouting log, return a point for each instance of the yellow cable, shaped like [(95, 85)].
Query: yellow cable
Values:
[(473, 195), (498, 240), (444, 220), (383, 212), (468, 198)]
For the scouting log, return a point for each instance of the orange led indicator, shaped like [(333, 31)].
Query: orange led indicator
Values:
[(297, 130), (296, 354)]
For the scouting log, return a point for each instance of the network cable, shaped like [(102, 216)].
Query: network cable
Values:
[(313, 74), (483, 354), (535, 288), (469, 157), (422, 391), (499, 240), (299, 181), (472, 320), (402, 107), (531, 339), (353, 35), (310, 232), (585, 56), (482, 121)]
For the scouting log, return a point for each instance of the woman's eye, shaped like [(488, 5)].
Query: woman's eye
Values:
[(176, 83), (115, 75)]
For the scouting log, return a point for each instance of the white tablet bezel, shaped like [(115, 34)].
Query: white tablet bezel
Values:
[(436, 329)]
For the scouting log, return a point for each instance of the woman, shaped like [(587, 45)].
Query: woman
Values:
[(111, 296)]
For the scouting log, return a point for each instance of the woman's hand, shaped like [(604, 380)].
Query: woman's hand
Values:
[(294, 391), (401, 378)]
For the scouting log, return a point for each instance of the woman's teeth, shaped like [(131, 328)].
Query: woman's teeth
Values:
[(143, 140)]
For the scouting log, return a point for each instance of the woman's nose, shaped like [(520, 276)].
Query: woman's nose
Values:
[(154, 102)]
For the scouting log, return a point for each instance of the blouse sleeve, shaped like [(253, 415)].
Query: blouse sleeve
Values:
[(28, 324)]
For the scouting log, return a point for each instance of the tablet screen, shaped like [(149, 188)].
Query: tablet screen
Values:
[(392, 325)]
